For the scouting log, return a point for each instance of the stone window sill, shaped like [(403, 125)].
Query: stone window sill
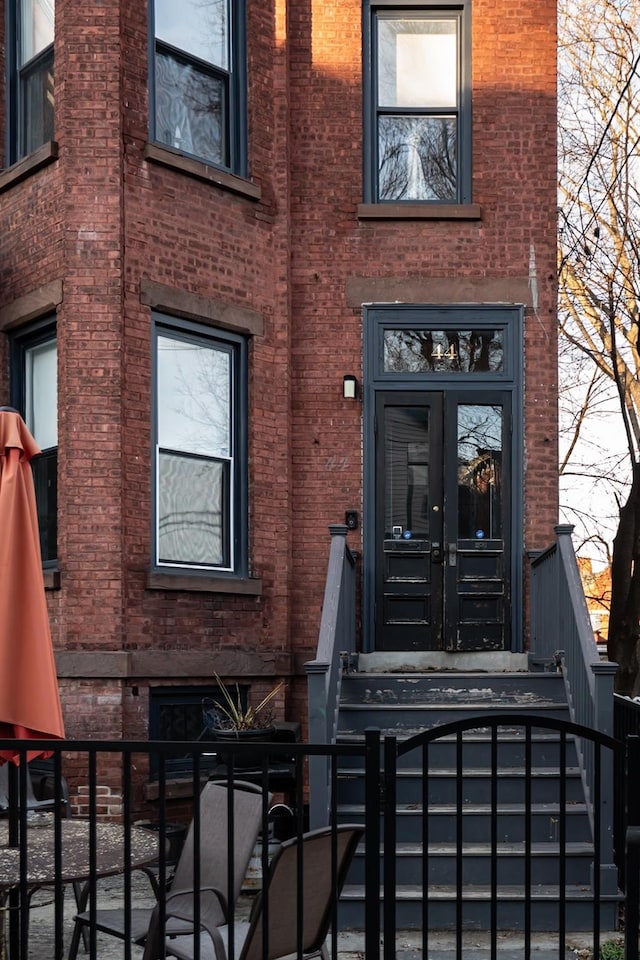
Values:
[(41, 157), (166, 157), (419, 211), (161, 580)]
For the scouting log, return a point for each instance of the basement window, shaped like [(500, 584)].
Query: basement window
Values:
[(181, 714)]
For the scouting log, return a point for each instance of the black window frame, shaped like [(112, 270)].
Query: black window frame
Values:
[(45, 466), (234, 85), (185, 707), (237, 346), (374, 10), (19, 142)]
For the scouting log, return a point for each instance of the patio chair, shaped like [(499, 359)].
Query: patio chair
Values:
[(213, 861), (33, 804), (325, 862)]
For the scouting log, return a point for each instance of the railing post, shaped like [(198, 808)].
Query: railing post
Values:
[(603, 677), (317, 674), (632, 894), (632, 781), (535, 627), (372, 845)]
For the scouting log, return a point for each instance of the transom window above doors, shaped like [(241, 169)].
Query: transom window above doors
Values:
[(446, 351), (30, 87), (417, 103), (445, 342), (198, 102)]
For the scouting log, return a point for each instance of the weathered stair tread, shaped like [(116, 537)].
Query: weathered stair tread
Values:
[(504, 849), (404, 773), (479, 734), (479, 808), (476, 892)]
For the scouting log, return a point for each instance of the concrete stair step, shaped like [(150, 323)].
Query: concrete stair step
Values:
[(476, 864), (510, 822), (477, 785), (545, 749), (475, 909)]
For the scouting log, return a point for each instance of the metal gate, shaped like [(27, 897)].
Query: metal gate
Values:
[(501, 824)]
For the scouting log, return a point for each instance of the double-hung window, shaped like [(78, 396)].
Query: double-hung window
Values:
[(30, 26), (34, 391), (198, 101), (200, 455), (417, 103)]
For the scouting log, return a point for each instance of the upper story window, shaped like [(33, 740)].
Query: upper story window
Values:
[(30, 87), (201, 463), (418, 104), (198, 102), (34, 391)]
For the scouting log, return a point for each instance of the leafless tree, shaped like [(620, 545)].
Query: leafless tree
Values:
[(599, 276)]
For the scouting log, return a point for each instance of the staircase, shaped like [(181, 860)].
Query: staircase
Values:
[(462, 779)]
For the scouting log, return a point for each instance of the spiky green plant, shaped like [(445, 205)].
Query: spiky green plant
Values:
[(251, 718)]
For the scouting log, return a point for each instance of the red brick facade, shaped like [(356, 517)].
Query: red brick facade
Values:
[(108, 227)]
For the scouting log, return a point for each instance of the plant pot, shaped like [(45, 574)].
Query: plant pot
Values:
[(243, 759)]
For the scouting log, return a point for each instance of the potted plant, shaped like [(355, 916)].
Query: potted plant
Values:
[(229, 720)]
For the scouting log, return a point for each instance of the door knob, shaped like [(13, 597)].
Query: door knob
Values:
[(453, 551)]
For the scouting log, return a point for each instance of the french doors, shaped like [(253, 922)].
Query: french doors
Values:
[(442, 520)]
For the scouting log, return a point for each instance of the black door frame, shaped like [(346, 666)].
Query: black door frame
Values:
[(510, 320)]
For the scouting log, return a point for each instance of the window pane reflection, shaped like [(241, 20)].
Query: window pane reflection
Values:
[(41, 393), (406, 470), (417, 158), (37, 90), (189, 109), (417, 63), (37, 24), (199, 27), (191, 506), (479, 471), (194, 398), (451, 351)]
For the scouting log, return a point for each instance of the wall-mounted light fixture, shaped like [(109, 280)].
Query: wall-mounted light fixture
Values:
[(349, 387)]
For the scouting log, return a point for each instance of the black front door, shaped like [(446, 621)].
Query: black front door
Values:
[(442, 509)]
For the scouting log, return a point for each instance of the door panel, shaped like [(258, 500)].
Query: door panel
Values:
[(477, 610), (409, 522), (442, 521)]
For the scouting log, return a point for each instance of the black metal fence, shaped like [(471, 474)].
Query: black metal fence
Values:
[(104, 817), (100, 815)]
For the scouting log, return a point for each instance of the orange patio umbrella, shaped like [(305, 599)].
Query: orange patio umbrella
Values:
[(29, 696)]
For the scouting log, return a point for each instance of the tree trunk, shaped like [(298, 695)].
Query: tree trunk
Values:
[(622, 645)]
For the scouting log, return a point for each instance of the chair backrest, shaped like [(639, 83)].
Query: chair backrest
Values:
[(32, 802), (216, 820), (325, 858)]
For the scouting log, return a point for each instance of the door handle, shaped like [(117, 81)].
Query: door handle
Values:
[(453, 552)]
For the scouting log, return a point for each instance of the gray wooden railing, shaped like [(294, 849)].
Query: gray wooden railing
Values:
[(336, 642), (561, 633)]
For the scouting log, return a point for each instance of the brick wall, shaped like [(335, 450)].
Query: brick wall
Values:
[(105, 220)]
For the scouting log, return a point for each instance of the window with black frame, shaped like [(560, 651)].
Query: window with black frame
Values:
[(184, 714), (30, 83), (198, 87), (34, 391), (200, 465), (418, 104)]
